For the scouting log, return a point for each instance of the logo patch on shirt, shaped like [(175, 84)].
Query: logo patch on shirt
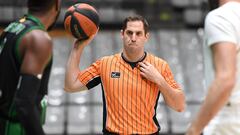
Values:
[(115, 75)]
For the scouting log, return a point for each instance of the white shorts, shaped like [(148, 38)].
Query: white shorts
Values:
[(226, 122)]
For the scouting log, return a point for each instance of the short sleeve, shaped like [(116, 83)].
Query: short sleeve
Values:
[(168, 76), (90, 77), (218, 29)]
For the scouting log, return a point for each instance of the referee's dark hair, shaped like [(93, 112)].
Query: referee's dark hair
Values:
[(136, 18), (213, 4), (40, 6)]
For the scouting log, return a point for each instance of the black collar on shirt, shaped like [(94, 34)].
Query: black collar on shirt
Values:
[(134, 64)]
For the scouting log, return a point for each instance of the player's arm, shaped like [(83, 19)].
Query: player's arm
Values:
[(224, 57), (36, 50), (72, 84), (173, 97)]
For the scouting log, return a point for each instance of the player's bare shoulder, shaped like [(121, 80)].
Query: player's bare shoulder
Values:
[(39, 41), (38, 45)]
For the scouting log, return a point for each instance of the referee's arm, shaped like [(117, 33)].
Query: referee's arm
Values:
[(72, 84), (173, 97)]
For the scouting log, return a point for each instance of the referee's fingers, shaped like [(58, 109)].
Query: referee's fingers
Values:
[(146, 63), (142, 74), (141, 64), (141, 68)]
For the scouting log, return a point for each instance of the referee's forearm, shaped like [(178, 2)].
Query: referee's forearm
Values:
[(173, 97), (72, 68)]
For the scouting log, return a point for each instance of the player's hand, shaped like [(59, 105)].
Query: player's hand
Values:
[(149, 72)]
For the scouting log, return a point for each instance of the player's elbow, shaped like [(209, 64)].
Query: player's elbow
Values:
[(227, 82), (230, 84), (227, 87)]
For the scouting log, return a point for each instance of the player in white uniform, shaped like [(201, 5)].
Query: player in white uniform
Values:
[(220, 112)]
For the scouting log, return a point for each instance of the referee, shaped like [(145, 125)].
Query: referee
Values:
[(132, 82)]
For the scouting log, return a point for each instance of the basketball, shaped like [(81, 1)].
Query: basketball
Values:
[(81, 20)]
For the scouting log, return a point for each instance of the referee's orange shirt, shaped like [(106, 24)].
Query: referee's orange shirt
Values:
[(130, 101)]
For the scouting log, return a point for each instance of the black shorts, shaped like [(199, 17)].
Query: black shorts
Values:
[(2, 126)]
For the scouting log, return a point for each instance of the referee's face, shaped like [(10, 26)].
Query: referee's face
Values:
[(134, 36)]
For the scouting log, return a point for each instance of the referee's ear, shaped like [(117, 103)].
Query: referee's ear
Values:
[(147, 36), (122, 33)]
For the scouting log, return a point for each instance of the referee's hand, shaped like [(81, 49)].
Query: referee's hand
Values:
[(149, 72)]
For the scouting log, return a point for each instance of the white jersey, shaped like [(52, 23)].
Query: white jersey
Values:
[(223, 24)]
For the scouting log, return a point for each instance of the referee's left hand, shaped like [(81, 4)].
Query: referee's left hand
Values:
[(149, 72)]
